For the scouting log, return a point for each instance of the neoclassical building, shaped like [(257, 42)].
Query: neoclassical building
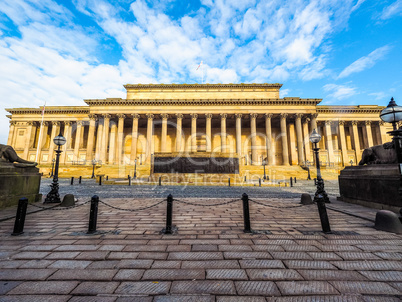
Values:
[(249, 122)]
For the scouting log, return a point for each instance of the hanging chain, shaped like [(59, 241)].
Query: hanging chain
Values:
[(207, 205), (58, 208), (132, 210), (276, 207)]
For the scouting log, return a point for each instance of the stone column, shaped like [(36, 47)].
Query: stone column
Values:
[(27, 144), (223, 132), (306, 140), (164, 131), (105, 137), (299, 137), (208, 132), (179, 121), (91, 137), (194, 117), (292, 143), (55, 132), (383, 132), (253, 128), (356, 142), (42, 140), (330, 146), (150, 133), (11, 133), (369, 134), (112, 142), (238, 136), (77, 140), (67, 135), (99, 136), (268, 135), (342, 137), (134, 138), (120, 138), (314, 122), (284, 135)]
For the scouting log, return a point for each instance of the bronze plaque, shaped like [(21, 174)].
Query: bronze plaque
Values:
[(209, 165)]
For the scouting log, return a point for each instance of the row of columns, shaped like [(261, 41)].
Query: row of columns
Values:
[(115, 144)]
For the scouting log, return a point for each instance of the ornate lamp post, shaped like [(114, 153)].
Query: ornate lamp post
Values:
[(320, 196), (308, 170), (135, 168), (53, 195), (351, 162), (264, 163), (53, 160), (393, 114), (93, 168)]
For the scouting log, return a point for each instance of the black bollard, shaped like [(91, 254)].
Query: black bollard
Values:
[(259, 181), (107, 177), (129, 180), (229, 181), (72, 181), (20, 217), (291, 182), (93, 214), (160, 180), (246, 214), (169, 214), (295, 179), (315, 181), (80, 179), (245, 178), (100, 180)]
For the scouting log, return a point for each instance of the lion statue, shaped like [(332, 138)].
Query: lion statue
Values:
[(380, 154), (8, 154)]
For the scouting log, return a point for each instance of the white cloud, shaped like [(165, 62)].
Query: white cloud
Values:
[(365, 62), (339, 92), (379, 96), (392, 10)]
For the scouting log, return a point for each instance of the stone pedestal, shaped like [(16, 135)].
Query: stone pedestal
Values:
[(375, 186), (18, 182)]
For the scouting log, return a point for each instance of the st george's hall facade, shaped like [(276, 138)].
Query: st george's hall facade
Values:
[(249, 123)]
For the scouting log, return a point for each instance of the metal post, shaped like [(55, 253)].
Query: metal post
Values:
[(129, 180), (169, 214), (20, 217), (80, 179), (93, 170), (245, 178), (291, 182), (246, 214), (100, 180), (259, 182), (160, 180), (72, 181), (107, 177), (93, 214), (295, 179), (229, 181)]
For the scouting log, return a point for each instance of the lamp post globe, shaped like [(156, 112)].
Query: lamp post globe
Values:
[(264, 163), (393, 114), (53, 196)]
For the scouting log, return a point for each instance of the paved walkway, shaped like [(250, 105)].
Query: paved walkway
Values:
[(209, 258)]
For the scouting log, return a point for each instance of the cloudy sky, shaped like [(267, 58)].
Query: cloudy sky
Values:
[(344, 51)]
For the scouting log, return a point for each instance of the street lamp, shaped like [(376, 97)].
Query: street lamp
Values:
[(135, 168), (264, 163), (320, 196), (93, 168), (393, 114), (53, 195), (308, 170), (53, 160), (351, 162)]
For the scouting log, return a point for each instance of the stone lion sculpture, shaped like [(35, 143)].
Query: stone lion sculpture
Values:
[(8, 154), (380, 154)]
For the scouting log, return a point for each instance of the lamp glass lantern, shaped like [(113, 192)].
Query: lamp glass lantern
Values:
[(315, 137), (392, 113), (59, 140)]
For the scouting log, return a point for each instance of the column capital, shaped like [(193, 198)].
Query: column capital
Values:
[(306, 120), (179, 116), (121, 115), (45, 123), (328, 122), (367, 123), (135, 116), (314, 115), (238, 115), (80, 123), (223, 116), (268, 115), (68, 123), (342, 122), (55, 123), (106, 116), (353, 123), (150, 116), (92, 117), (30, 123), (13, 123), (165, 116), (283, 115), (208, 115), (298, 115), (194, 116), (381, 123), (253, 115)]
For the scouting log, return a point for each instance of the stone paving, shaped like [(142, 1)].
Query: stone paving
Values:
[(208, 258)]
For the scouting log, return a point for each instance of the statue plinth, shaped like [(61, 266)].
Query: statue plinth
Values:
[(17, 182), (376, 186)]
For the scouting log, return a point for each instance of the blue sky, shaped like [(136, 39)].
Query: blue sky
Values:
[(345, 52)]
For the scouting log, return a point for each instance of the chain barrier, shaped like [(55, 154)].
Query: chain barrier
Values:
[(276, 207), (206, 205), (57, 208), (132, 210)]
